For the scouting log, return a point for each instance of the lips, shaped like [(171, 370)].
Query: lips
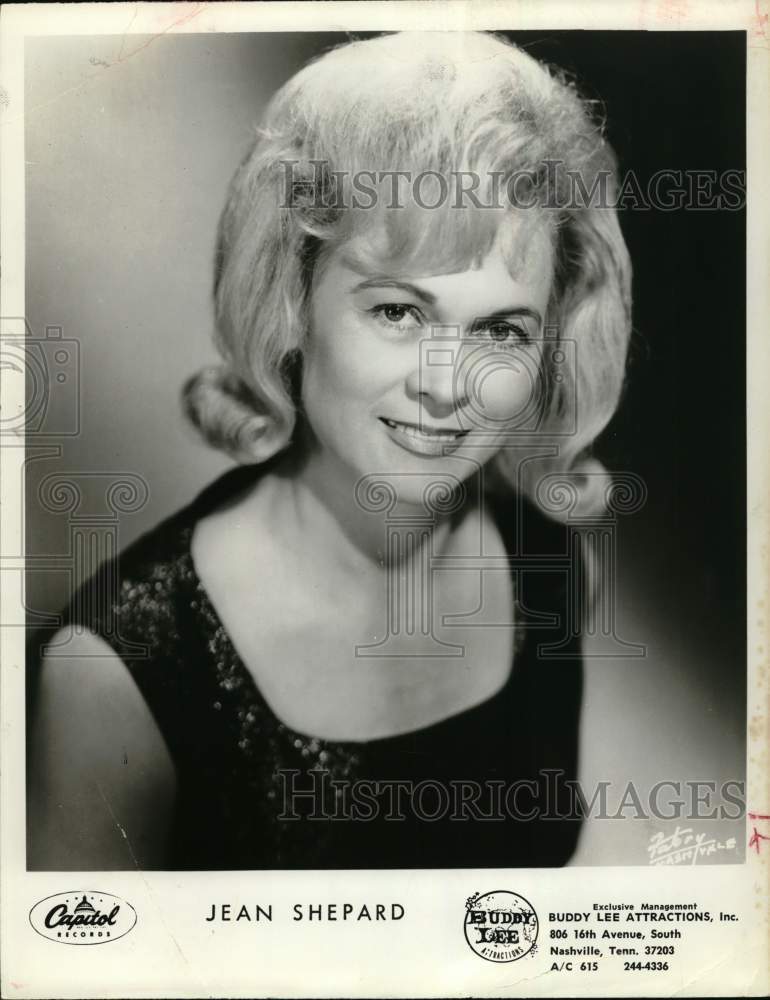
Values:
[(424, 440)]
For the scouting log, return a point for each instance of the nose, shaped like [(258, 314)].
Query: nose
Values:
[(434, 383)]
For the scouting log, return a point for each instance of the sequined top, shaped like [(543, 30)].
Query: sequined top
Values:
[(254, 794)]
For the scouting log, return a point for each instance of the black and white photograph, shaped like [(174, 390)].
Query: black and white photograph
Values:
[(384, 475)]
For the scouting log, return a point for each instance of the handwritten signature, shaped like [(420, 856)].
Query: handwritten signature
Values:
[(756, 836), (684, 845)]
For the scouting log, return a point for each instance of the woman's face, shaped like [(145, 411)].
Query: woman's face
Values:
[(426, 374)]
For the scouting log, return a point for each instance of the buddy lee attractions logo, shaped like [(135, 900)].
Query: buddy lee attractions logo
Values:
[(500, 926), (82, 917)]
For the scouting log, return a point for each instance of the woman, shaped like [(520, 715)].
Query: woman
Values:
[(319, 663)]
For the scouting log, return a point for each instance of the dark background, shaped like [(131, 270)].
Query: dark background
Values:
[(676, 100), (129, 150)]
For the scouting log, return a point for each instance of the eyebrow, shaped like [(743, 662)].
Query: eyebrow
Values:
[(405, 286), (513, 311)]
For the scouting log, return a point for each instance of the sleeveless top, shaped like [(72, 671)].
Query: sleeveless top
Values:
[(254, 794)]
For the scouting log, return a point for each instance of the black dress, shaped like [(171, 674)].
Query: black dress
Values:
[(253, 794)]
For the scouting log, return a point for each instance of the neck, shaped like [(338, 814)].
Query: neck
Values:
[(321, 500)]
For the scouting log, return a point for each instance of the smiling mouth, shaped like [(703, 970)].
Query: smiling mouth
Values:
[(423, 440), (431, 434)]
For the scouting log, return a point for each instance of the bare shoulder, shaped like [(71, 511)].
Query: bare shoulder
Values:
[(101, 782)]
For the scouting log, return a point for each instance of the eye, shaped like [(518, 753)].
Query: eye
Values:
[(397, 315), (502, 332)]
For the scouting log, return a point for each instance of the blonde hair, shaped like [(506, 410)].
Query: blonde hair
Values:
[(445, 102)]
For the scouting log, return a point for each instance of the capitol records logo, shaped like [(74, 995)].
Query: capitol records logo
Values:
[(82, 917), (500, 926)]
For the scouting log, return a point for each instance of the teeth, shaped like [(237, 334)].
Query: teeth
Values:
[(417, 433)]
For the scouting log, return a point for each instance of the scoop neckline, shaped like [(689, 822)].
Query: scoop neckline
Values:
[(248, 680)]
